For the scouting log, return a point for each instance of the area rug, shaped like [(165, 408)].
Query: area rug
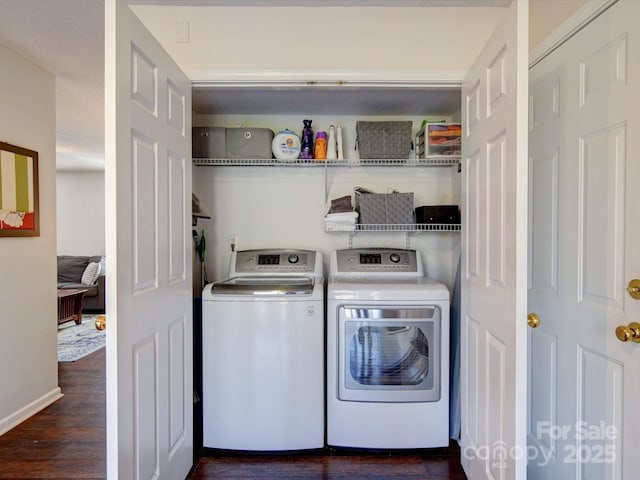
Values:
[(77, 341)]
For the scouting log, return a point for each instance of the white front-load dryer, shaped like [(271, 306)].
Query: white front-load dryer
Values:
[(263, 353), (387, 352)]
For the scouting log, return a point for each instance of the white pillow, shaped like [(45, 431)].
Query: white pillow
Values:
[(90, 274)]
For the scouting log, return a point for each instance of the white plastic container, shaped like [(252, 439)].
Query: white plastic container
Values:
[(286, 146), (339, 142), (332, 153)]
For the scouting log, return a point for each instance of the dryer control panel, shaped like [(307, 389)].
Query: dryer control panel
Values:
[(275, 261), (376, 260)]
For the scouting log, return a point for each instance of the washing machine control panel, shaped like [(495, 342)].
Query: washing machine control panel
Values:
[(275, 261), (376, 260)]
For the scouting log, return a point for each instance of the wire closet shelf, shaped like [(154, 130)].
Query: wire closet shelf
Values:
[(441, 161)]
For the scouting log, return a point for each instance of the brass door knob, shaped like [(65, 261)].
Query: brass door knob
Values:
[(101, 322), (630, 332), (533, 320), (634, 289)]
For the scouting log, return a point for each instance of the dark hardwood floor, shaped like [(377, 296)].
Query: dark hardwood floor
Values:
[(67, 440), (437, 465)]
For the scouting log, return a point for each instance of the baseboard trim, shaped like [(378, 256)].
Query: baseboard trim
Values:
[(29, 410)]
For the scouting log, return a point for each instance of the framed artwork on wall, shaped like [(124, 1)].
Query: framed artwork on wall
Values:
[(19, 209)]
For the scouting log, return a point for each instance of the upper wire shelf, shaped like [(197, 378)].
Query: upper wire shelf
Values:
[(439, 161), (402, 227)]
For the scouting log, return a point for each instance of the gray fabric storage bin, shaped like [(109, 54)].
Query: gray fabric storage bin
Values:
[(384, 140), (249, 143), (209, 142), (385, 208)]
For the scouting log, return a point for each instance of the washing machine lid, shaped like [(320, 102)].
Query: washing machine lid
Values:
[(264, 286)]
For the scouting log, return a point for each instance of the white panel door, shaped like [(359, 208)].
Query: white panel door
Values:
[(494, 261), (149, 300), (585, 152), (546, 156)]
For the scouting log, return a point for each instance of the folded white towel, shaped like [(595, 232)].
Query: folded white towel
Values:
[(348, 217)]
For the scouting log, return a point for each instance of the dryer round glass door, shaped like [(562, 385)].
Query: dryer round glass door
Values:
[(389, 354)]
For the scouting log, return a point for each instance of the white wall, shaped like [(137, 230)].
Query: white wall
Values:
[(284, 207), (28, 343), (338, 38), (547, 15), (321, 39), (81, 215)]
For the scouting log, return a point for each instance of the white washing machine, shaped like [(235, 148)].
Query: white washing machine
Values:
[(263, 353), (387, 352)]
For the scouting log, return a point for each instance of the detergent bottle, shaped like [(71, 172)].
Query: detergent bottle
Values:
[(320, 147)]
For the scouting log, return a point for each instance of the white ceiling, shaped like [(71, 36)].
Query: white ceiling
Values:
[(66, 37)]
